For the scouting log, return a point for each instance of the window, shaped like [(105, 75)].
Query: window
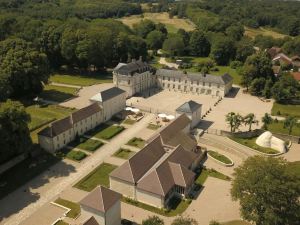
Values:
[(185, 81), (203, 84), (197, 82), (191, 89), (218, 85), (179, 80), (163, 84), (163, 78), (191, 82), (128, 81), (168, 85), (168, 78), (174, 79), (179, 87), (173, 85), (209, 84)]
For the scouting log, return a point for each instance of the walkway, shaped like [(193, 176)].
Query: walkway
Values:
[(40, 192), (163, 61), (66, 85)]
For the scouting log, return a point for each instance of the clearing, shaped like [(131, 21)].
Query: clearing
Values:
[(278, 127), (252, 32), (172, 24), (285, 110)]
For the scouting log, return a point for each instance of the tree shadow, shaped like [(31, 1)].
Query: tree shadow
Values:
[(233, 92), (56, 96), (18, 185)]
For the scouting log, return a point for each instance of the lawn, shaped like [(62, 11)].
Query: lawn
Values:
[(136, 142), (177, 206), (99, 176), (172, 24), (58, 93), (285, 110), (153, 126), (236, 222), (124, 153), (277, 127), (219, 157), (75, 155), (32, 166), (232, 72), (75, 207), (105, 131), (250, 142), (44, 114), (86, 144), (252, 32), (294, 168), (61, 222), (205, 173), (82, 80), (129, 121)]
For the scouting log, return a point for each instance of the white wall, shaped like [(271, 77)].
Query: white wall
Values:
[(149, 198), (122, 187), (113, 215)]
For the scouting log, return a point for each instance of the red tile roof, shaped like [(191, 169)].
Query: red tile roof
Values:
[(296, 75)]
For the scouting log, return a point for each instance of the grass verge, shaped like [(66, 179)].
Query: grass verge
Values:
[(124, 153), (129, 121), (75, 207), (99, 176), (136, 142), (153, 126), (220, 157), (205, 173), (105, 131), (278, 127), (82, 80), (87, 144), (286, 110), (58, 93)]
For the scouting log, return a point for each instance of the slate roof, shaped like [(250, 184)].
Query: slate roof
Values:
[(101, 199), (208, 78), (107, 94), (62, 125), (91, 221), (134, 67), (189, 107)]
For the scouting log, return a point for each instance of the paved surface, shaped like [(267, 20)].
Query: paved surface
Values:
[(163, 61), (85, 94), (293, 154), (49, 185), (65, 85)]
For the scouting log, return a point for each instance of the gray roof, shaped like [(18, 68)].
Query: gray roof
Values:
[(208, 78), (91, 221), (85, 112), (110, 93), (189, 107), (133, 67)]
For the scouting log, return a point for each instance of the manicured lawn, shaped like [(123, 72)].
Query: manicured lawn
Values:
[(285, 110), (250, 142), (99, 176), (58, 93), (294, 168), (236, 222), (106, 132), (205, 173), (61, 222), (44, 114), (277, 127), (219, 157), (136, 142), (76, 155), (82, 80), (124, 153), (177, 206), (129, 121), (75, 207), (153, 126), (86, 144), (232, 72), (16, 177)]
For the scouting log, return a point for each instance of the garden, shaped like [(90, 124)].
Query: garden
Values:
[(87, 144), (220, 157), (124, 153), (58, 93), (136, 142), (99, 176), (75, 155), (75, 207), (105, 131)]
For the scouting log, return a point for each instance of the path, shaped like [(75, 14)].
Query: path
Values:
[(163, 61), (13, 214), (66, 85)]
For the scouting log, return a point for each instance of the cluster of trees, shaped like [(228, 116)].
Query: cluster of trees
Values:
[(280, 15), (257, 75)]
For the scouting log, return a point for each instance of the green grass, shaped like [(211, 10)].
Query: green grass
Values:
[(86, 144), (82, 80), (136, 142), (236, 222), (129, 121), (250, 142), (75, 207), (277, 127), (219, 157), (294, 168), (124, 153), (58, 93), (232, 72), (16, 177), (44, 114), (153, 126), (99, 176), (286, 110), (76, 155), (205, 173), (105, 131), (252, 32), (177, 206), (61, 222)]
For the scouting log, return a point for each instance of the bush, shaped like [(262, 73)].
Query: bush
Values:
[(236, 64)]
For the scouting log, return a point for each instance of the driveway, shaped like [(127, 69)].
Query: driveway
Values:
[(20, 205), (163, 61)]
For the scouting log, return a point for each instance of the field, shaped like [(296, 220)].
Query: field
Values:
[(251, 32), (172, 25), (58, 93), (286, 110), (81, 80), (277, 127), (99, 176)]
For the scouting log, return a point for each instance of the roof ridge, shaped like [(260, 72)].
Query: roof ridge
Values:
[(100, 189), (159, 181)]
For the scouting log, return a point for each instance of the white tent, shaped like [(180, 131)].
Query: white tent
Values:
[(162, 115), (170, 117), (128, 108), (135, 110), (267, 140)]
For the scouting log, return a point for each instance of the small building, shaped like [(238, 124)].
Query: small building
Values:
[(282, 59), (193, 110), (274, 51), (112, 100), (102, 206)]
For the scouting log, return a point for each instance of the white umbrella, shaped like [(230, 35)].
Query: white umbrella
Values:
[(162, 115), (128, 108), (135, 110), (170, 117)]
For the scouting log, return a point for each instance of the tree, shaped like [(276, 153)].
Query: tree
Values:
[(234, 120), (236, 32), (174, 45), (268, 194), (267, 120), (249, 120), (184, 221), (155, 40), (223, 50), (257, 86), (289, 123), (14, 133), (199, 45), (143, 28), (153, 220), (244, 48)]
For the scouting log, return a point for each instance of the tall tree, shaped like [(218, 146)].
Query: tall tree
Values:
[(153, 220), (268, 194), (14, 133), (267, 120), (155, 40), (223, 50), (199, 44), (249, 120), (174, 45), (289, 123), (234, 120)]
